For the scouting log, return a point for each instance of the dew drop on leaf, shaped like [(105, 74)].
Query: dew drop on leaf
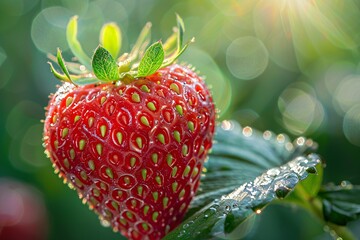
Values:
[(209, 212), (227, 209), (346, 184), (258, 211), (282, 192)]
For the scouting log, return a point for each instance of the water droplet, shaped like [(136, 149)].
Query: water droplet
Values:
[(227, 125), (247, 131), (104, 223), (258, 211), (289, 146), (181, 233), (333, 234), (82, 68), (273, 172), (309, 142), (312, 170), (227, 209), (209, 212), (282, 192), (267, 135), (186, 225), (326, 228), (280, 138), (346, 184), (300, 141)]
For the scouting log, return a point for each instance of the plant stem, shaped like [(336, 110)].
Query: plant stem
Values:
[(314, 206)]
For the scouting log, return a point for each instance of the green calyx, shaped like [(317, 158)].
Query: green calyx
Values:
[(107, 66)]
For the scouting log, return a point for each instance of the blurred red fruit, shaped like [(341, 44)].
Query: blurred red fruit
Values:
[(22, 212)]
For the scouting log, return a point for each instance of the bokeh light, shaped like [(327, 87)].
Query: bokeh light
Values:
[(3, 56), (308, 30), (53, 19), (247, 57), (351, 125), (25, 145), (337, 72), (22, 115), (347, 93), (6, 71), (78, 7), (215, 80), (300, 109), (31, 151), (48, 29)]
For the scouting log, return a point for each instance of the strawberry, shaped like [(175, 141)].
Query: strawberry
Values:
[(130, 135)]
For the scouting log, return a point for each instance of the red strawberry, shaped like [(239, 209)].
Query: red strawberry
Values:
[(133, 150)]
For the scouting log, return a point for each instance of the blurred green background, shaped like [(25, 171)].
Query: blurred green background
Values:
[(291, 66)]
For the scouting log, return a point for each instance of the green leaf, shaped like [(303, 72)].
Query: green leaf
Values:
[(308, 189), (62, 64), (110, 38), (341, 204), (104, 65), (246, 171), (152, 60), (74, 44)]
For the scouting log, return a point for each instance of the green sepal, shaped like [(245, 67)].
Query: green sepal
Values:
[(75, 79), (104, 65), (62, 65), (170, 45), (86, 80), (172, 54), (58, 75), (110, 38), (181, 30), (76, 68), (141, 43), (74, 44), (152, 60), (176, 54), (73, 67)]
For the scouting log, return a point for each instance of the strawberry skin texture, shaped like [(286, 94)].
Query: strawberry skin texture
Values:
[(133, 152)]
